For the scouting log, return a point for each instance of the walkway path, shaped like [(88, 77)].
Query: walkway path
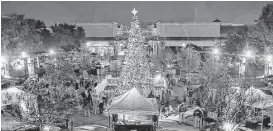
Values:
[(99, 122)]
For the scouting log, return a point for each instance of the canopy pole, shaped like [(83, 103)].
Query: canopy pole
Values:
[(109, 120), (262, 120), (134, 116), (123, 118)]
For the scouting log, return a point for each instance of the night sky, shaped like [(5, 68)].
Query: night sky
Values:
[(120, 12)]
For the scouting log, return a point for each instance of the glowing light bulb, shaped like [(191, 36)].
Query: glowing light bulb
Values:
[(24, 54), (215, 51), (248, 53), (3, 59), (227, 126), (158, 77), (51, 51), (269, 58)]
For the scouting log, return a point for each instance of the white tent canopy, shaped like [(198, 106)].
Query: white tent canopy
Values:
[(133, 103), (100, 87), (256, 97), (256, 93)]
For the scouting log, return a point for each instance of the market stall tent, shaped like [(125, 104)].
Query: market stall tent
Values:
[(133, 103)]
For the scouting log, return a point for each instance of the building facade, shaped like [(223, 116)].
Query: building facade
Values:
[(100, 38), (111, 37)]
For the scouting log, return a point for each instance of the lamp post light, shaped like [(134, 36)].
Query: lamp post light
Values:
[(24, 56), (269, 58), (184, 45), (248, 54), (51, 52), (215, 51), (3, 64)]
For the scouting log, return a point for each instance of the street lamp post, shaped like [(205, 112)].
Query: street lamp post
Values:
[(248, 54), (216, 53), (24, 56), (269, 60), (3, 64), (188, 61)]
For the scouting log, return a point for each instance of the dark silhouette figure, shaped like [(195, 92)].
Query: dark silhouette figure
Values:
[(198, 113), (101, 106), (81, 82), (87, 101), (95, 84), (151, 95)]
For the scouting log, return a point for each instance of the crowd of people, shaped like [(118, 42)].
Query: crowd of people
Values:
[(166, 105), (89, 101)]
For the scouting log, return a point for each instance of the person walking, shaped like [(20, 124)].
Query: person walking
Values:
[(162, 100), (190, 94), (197, 117), (166, 107), (95, 84), (182, 110), (87, 101), (94, 95), (101, 105), (85, 75), (81, 81), (76, 85)]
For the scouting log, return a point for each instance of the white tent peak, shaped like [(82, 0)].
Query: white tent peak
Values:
[(132, 102)]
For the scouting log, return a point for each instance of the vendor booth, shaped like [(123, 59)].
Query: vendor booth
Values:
[(132, 111)]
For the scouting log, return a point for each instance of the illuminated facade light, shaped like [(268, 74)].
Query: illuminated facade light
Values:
[(158, 77), (88, 44), (24, 54), (248, 53), (3, 59), (215, 51), (51, 51)]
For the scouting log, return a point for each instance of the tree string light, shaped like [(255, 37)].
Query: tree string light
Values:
[(136, 72)]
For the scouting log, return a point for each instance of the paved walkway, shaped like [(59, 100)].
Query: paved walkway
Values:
[(100, 122)]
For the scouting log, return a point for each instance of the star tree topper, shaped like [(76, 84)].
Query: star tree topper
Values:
[(134, 11)]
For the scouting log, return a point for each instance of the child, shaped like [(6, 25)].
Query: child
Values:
[(101, 105)]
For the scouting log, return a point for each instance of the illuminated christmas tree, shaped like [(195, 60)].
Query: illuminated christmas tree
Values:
[(136, 71)]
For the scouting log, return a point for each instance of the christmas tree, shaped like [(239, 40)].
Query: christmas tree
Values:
[(136, 72)]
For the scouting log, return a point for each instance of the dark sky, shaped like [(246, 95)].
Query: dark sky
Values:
[(120, 12)]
